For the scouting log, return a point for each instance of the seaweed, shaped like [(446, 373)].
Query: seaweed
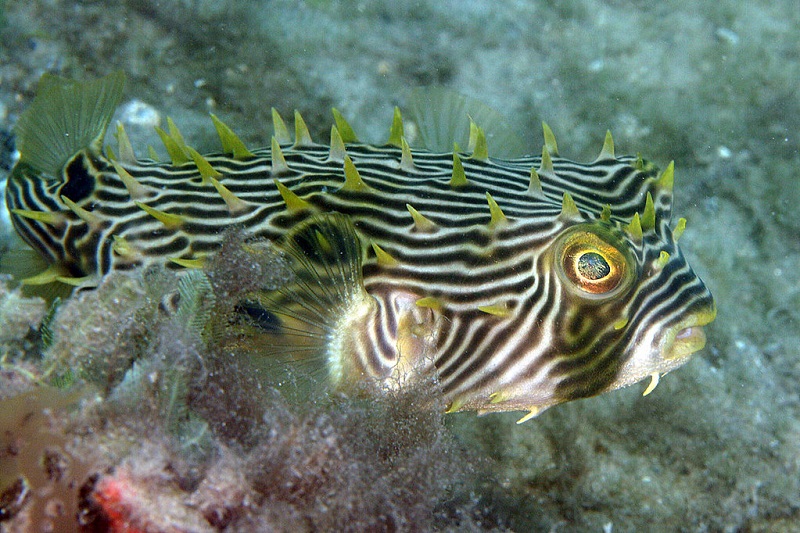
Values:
[(194, 430)]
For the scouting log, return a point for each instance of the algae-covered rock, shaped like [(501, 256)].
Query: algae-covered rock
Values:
[(18, 316), (98, 334)]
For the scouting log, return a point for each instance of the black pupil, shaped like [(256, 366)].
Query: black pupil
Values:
[(592, 266)]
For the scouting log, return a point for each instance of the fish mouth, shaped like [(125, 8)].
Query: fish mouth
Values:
[(686, 342), (688, 337)]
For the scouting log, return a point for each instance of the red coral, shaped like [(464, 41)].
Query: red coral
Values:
[(139, 504), (114, 496)]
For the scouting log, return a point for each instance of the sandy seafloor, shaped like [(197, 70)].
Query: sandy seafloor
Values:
[(712, 85)]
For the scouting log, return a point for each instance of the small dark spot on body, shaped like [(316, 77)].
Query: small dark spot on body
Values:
[(80, 184)]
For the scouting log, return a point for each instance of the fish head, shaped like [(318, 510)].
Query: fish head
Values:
[(629, 306)]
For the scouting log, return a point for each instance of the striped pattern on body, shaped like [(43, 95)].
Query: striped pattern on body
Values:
[(482, 284)]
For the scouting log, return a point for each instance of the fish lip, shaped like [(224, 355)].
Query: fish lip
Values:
[(691, 336), (690, 333), (687, 341), (688, 336)]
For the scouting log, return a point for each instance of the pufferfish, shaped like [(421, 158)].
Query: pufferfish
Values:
[(521, 283)]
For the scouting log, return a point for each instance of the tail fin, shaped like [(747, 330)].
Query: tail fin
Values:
[(66, 116)]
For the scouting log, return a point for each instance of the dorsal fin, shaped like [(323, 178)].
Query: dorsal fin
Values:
[(65, 117), (443, 117)]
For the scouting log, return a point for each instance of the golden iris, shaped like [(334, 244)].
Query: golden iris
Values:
[(591, 261)]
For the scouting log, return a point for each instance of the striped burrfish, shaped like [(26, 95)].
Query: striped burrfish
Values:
[(519, 283)]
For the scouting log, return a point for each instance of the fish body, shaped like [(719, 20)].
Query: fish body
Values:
[(522, 283)]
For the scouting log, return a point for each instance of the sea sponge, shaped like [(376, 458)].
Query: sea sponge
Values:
[(41, 474)]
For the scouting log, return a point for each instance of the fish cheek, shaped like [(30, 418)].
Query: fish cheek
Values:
[(415, 333)]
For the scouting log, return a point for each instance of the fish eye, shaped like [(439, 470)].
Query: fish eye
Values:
[(592, 262)]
